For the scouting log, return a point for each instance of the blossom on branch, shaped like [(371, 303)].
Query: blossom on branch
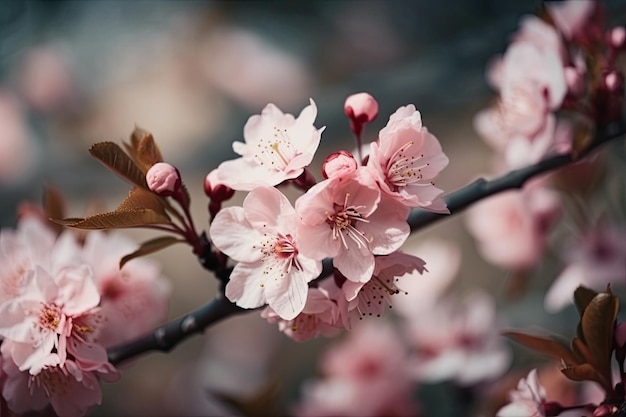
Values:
[(262, 237), (406, 159), (278, 147), (527, 400), (345, 218)]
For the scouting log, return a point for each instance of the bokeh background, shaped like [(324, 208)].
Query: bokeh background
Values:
[(75, 73)]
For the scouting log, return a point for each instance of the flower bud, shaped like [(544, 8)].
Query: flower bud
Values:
[(339, 164), (604, 410), (574, 80), (613, 81), (361, 108), (163, 179), (617, 37), (215, 190)]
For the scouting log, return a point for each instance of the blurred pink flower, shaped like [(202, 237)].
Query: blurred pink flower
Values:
[(320, 317), (18, 153), (69, 390), (46, 78), (458, 340), (253, 70), (272, 269), (527, 400), (365, 375), (596, 260), (423, 291), (511, 227), (570, 17), (346, 219), (134, 299), (406, 159), (278, 147)]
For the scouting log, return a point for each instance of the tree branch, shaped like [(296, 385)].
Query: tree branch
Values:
[(166, 337)]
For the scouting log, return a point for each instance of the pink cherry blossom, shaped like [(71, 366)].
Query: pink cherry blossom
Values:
[(42, 319), (21, 250), (346, 219), (320, 317), (134, 299), (527, 400), (596, 260), (278, 147), (458, 340), (163, 178), (422, 291), (69, 390), (511, 227), (373, 296), (406, 159), (262, 237)]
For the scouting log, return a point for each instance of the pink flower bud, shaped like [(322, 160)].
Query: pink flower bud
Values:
[(163, 179), (617, 37), (215, 190), (361, 108), (339, 164), (604, 410), (614, 81), (574, 80)]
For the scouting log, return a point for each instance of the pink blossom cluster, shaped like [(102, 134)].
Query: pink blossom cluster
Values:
[(562, 61), (357, 216), (553, 63), (61, 305)]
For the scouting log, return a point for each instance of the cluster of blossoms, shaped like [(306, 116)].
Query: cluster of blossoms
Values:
[(62, 303), (357, 216), (557, 78)]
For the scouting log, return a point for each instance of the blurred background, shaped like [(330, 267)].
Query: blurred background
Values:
[(192, 72)]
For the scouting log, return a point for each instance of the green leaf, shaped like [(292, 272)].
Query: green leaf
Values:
[(597, 324), (552, 346), (150, 246), (116, 220), (114, 158)]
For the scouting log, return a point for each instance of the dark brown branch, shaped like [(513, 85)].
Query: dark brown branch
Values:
[(169, 335), (166, 337)]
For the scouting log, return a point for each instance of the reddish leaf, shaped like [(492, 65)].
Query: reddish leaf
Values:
[(150, 246), (548, 346), (143, 149), (597, 323), (139, 198), (581, 351), (114, 158), (116, 220), (582, 298), (583, 372)]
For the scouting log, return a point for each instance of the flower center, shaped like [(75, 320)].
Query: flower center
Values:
[(50, 317), (404, 169), (277, 152), (279, 254), (343, 223)]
